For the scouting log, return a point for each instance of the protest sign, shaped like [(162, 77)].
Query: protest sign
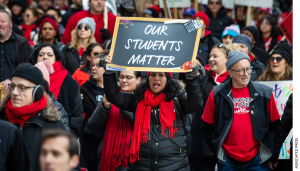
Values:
[(255, 3), (281, 92), (227, 4), (286, 27), (150, 44), (128, 5), (175, 3)]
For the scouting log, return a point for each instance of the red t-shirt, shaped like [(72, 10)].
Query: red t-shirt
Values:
[(95, 17), (81, 50), (240, 142)]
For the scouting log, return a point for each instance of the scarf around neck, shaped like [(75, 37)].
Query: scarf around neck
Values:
[(141, 132), (57, 78), (27, 30), (20, 115)]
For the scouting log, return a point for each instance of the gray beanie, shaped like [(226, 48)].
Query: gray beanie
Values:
[(88, 21), (234, 57), (243, 39)]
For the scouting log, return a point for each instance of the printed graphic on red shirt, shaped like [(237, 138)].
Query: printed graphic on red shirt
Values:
[(241, 105)]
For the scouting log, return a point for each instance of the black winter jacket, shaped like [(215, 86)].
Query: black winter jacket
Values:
[(218, 24), (205, 46), (88, 138), (159, 153), (13, 152), (73, 60), (199, 146), (265, 132), (261, 55), (48, 118), (62, 112), (286, 126), (69, 97), (257, 69), (261, 43), (56, 43)]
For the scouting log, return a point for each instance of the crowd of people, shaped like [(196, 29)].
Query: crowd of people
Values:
[(64, 111)]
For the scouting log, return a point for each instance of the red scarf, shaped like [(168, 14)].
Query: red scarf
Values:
[(251, 57), (28, 30), (20, 115), (267, 43), (118, 132), (219, 78), (141, 132), (57, 78)]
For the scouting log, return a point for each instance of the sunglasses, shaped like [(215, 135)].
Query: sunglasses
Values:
[(96, 54), (217, 3), (86, 28), (278, 59)]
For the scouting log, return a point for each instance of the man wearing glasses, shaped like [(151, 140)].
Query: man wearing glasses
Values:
[(30, 109), (241, 121), (218, 18)]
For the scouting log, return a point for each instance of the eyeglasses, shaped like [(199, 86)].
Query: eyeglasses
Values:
[(243, 71), (127, 77), (278, 59), (217, 3), (221, 45), (26, 15), (21, 88), (96, 54), (97, 66), (86, 28)]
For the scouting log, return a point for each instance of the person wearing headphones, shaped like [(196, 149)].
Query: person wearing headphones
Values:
[(30, 108)]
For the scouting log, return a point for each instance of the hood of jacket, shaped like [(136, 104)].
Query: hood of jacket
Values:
[(50, 112)]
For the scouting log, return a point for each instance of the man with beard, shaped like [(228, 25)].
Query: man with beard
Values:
[(14, 50)]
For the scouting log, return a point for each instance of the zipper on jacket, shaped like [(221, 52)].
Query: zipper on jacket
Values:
[(174, 143), (21, 127)]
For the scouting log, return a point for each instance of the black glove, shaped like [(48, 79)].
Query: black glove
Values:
[(193, 74), (103, 63), (105, 34)]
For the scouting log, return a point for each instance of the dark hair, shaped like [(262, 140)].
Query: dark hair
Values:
[(58, 54), (38, 22), (102, 54), (73, 148), (219, 1), (170, 90), (271, 21), (90, 48), (54, 9), (136, 73)]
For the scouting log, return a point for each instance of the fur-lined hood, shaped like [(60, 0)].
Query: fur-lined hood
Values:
[(49, 113)]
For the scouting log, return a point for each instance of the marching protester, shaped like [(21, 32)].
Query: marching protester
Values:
[(59, 151), (252, 32), (44, 4), (30, 108), (229, 33), (13, 45), (63, 86), (92, 93), (17, 8), (49, 33), (245, 46), (118, 126), (201, 157), (74, 8), (218, 18), (52, 11), (95, 12), (287, 125), (82, 37), (269, 34), (188, 13), (14, 155), (82, 74), (240, 141), (278, 68), (158, 133), (207, 40), (151, 12)]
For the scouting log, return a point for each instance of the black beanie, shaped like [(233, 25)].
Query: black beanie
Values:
[(29, 72), (253, 30), (284, 49)]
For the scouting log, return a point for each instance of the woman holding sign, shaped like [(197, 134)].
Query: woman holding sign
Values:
[(160, 106)]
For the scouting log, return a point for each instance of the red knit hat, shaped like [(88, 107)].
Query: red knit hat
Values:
[(52, 22), (170, 73), (203, 16)]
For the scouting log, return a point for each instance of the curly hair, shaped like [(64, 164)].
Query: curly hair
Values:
[(75, 40), (58, 54), (170, 90)]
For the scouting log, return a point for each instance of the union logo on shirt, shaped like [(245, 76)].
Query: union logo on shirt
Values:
[(241, 105)]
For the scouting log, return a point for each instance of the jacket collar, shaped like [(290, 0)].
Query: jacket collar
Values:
[(221, 12)]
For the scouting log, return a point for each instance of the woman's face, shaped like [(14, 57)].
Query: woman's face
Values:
[(243, 48), (83, 33), (265, 26), (157, 82), (128, 80), (148, 4), (29, 18), (217, 60), (277, 67), (46, 54), (16, 9), (95, 52), (97, 72), (48, 31)]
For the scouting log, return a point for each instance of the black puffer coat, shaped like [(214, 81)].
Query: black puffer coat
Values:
[(48, 118), (159, 153), (257, 70), (62, 112), (73, 60), (218, 24)]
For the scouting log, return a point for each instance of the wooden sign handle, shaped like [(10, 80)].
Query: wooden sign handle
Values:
[(166, 9), (105, 17), (249, 16)]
